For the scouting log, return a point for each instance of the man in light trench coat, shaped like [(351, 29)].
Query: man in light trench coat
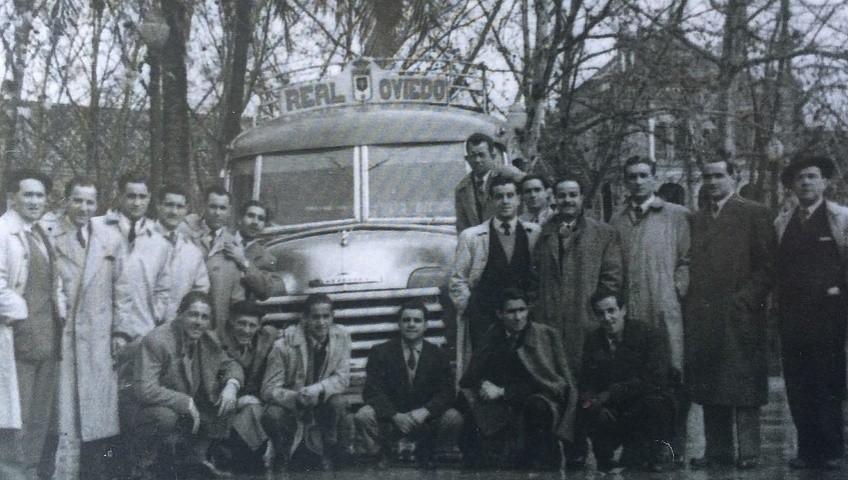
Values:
[(89, 262)]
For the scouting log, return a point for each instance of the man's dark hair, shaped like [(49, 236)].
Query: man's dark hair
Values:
[(638, 159), (414, 304), (478, 138), (571, 178), (172, 189), (14, 179), (191, 297), (246, 308), (316, 299), (512, 293), (78, 181), (254, 203), (620, 298), (132, 177), (499, 180), (215, 189), (533, 176)]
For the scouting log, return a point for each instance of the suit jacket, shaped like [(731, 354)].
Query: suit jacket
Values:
[(262, 278), (254, 367), (387, 386), (146, 275), (543, 356), (641, 364), (472, 253), (187, 266), (162, 377), (465, 204), (225, 286), (837, 218), (725, 331), (564, 281), (89, 280), (286, 372)]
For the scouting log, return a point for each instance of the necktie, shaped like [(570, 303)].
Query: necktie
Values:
[(81, 237), (506, 228), (639, 211), (803, 214), (613, 341), (131, 236), (410, 362), (714, 208), (565, 229), (172, 237)]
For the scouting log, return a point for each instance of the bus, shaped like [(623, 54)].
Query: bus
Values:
[(359, 170)]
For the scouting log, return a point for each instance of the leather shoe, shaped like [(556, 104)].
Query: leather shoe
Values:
[(747, 463)]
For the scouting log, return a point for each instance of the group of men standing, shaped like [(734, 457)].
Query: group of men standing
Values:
[(121, 323), (569, 328), (660, 307)]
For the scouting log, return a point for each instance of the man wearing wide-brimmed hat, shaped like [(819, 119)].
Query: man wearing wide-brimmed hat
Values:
[(811, 290)]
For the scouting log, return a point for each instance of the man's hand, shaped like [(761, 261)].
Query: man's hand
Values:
[(227, 400), (309, 396), (118, 344), (490, 391), (235, 252), (403, 422), (195, 416), (419, 415), (246, 400)]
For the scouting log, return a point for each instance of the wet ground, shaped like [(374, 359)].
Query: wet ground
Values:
[(778, 436)]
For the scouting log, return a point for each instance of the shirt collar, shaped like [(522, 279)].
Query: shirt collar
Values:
[(417, 347), (646, 204), (498, 224)]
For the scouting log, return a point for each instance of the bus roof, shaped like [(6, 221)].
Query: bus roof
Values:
[(363, 125)]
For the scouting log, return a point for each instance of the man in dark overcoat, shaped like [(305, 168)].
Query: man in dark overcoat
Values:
[(629, 391), (811, 294), (725, 360), (518, 391)]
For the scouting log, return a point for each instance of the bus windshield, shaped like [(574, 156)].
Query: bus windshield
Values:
[(413, 181), (309, 187)]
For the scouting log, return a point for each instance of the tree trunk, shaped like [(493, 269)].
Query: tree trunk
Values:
[(233, 101), (175, 110)]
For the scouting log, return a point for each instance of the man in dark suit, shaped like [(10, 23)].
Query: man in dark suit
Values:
[(248, 342), (471, 200), (409, 392), (811, 293), (626, 394), (518, 391), (182, 391), (725, 360)]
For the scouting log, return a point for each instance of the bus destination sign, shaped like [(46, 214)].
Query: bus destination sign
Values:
[(362, 81)]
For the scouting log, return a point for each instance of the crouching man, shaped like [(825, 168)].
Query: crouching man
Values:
[(519, 392), (182, 391), (308, 370), (409, 393), (627, 389), (248, 343)]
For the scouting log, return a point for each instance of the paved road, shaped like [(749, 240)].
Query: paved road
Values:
[(778, 447)]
